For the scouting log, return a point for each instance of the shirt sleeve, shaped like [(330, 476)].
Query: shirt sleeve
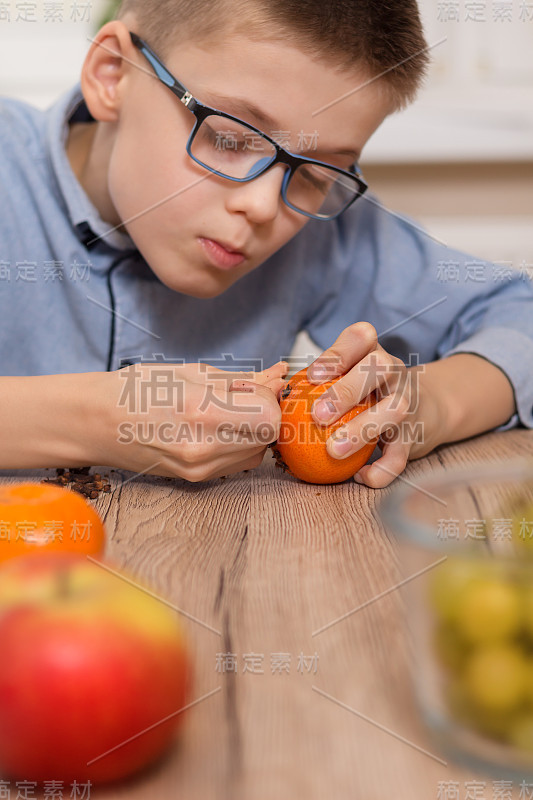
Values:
[(426, 300)]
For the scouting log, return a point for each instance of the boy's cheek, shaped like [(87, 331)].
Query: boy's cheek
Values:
[(284, 228)]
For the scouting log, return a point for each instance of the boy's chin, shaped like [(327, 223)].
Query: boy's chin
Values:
[(196, 285)]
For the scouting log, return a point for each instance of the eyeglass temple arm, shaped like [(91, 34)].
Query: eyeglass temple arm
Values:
[(161, 71)]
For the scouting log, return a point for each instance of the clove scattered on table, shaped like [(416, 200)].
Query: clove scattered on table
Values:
[(81, 480)]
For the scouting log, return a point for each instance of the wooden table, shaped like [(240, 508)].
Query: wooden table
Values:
[(263, 561)]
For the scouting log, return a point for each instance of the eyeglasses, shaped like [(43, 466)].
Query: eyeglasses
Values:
[(232, 149)]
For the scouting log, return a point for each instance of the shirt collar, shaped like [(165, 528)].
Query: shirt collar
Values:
[(85, 218)]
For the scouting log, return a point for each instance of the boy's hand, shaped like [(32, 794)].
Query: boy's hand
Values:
[(271, 377), (193, 421), (407, 422)]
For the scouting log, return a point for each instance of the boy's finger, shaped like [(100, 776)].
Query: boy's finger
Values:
[(276, 386), (352, 345), (240, 385), (283, 366), (264, 377), (275, 371), (257, 406), (385, 469)]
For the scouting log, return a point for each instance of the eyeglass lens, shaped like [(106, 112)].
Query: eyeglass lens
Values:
[(236, 151)]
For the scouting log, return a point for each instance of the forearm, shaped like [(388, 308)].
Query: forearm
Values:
[(470, 396), (49, 421)]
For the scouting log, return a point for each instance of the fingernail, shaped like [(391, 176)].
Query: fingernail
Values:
[(341, 443), (324, 410), (357, 478), (341, 446), (242, 386), (319, 372)]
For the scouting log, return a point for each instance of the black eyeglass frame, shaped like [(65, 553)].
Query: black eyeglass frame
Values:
[(281, 156)]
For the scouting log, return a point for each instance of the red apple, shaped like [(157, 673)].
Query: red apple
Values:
[(88, 661)]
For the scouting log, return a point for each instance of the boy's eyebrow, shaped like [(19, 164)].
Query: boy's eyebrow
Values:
[(239, 107)]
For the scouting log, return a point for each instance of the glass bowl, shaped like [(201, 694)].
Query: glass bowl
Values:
[(466, 540)]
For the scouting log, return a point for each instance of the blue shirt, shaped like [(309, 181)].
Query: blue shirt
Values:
[(71, 304)]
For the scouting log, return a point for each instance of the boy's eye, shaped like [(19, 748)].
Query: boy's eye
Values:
[(211, 134), (223, 140), (312, 178)]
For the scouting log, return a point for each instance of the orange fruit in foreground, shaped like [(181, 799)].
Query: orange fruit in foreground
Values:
[(301, 446), (36, 516)]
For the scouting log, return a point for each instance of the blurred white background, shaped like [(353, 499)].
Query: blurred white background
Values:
[(42, 46), (477, 103), (460, 159)]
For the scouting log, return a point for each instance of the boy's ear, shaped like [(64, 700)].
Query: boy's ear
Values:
[(104, 69)]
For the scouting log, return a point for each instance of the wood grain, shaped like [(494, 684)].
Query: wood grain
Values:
[(264, 562)]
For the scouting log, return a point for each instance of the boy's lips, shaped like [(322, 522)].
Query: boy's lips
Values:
[(222, 255)]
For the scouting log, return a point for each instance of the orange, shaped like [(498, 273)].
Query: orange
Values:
[(301, 446), (36, 516)]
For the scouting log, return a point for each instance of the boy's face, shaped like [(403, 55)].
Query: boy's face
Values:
[(139, 174)]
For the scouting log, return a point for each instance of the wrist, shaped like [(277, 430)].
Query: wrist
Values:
[(94, 419), (76, 432), (435, 413), (463, 395)]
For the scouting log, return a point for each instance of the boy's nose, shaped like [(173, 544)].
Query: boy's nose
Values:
[(259, 198)]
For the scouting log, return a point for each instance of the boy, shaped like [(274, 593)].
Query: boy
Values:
[(189, 238)]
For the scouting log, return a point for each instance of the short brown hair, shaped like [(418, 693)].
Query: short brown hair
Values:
[(383, 37)]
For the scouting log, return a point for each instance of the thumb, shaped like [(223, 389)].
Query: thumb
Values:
[(266, 404)]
